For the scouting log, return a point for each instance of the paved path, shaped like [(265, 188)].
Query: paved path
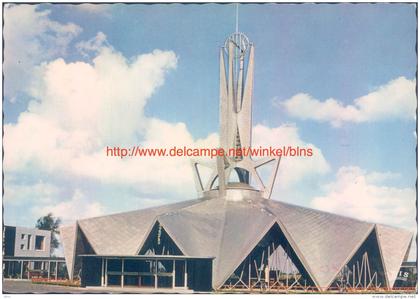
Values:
[(26, 287)]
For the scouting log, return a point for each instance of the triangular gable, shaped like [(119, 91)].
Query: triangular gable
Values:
[(128, 230), (159, 242), (394, 244), (244, 226), (82, 246), (68, 239), (82, 243), (74, 243), (274, 251), (364, 269), (326, 241)]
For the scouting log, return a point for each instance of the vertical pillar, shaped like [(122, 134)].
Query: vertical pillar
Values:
[(354, 277), (185, 275), (122, 273), (102, 272), (173, 274), (106, 272), (156, 268), (249, 273), (365, 268), (56, 270), (21, 269), (49, 269), (268, 265)]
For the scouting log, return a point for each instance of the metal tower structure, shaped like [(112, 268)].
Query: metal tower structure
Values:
[(236, 88)]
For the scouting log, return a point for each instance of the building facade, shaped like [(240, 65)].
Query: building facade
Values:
[(27, 254)]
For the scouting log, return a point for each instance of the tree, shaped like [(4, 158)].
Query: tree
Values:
[(51, 223)]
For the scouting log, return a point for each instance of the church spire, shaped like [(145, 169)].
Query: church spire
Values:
[(236, 88)]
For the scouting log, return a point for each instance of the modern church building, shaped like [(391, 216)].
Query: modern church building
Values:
[(234, 237)]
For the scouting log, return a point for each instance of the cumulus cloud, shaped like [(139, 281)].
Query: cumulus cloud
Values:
[(30, 37), (80, 109), (78, 207), (16, 193), (363, 195), (394, 100), (292, 169), (105, 99)]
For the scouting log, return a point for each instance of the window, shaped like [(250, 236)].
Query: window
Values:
[(37, 265), (114, 265), (39, 242), (165, 266), (22, 236), (22, 246)]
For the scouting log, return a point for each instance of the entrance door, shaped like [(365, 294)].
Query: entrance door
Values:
[(180, 273)]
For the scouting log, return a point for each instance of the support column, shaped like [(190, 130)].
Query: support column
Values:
[(21, 269), (49, 269), (122, 273), (106, 272), (185, 275), (249, 274), (173, 274), (102, 272), (56, 270), (268, 265), (156, 268)]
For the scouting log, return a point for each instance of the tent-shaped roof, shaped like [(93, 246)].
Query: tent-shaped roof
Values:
[(229, 230), (326, 241), (122, 233), (394, 244)]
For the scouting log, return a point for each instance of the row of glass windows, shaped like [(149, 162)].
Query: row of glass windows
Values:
[(141, 281), (146, 273), (145, 266)]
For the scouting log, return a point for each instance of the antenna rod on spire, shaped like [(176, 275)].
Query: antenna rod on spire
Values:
[(237, 17)]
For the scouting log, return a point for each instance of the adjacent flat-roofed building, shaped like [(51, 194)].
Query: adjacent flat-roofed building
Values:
[(234, 237), (27, 251), (23, 241)]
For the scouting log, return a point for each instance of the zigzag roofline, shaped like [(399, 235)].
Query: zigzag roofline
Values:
[(258, 204)]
